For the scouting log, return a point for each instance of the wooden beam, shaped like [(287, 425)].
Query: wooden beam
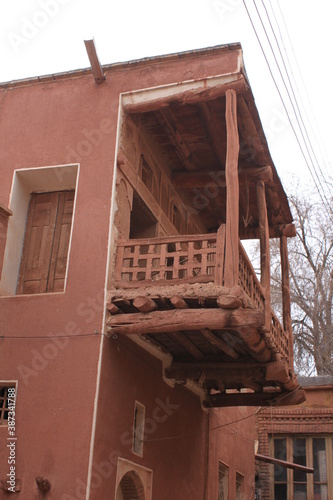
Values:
[(220, 250), (251, 384), (250, 233), (240, 399), (220, 385), (279, 209), (211, 127), (229, 372), (219, 366), (178, 302), (228, 302), (255, 343), (94, 61), (186, 180), (252, 136), (180, 339), (295, 397), (283, 463), (219, 343), (264, 251), (113, 309), (286, 296), (183, 93), (255, 399), (278, 371), (144, 304), (184, 319), (232, 211)]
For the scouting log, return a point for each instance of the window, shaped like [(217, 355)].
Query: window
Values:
[(4, 215), (5, 396), (176, 217), (46, 242), (59, 178), (133, 482), (309, 451), (319, 460), (143, 224), (138, 428), (146, 174), (239, 486), (223, 481), (150, 178), (280, 473)]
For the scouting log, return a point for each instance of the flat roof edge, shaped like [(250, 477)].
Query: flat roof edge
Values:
[(118, 65)]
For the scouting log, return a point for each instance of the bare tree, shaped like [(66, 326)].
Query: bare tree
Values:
[(311, 286)]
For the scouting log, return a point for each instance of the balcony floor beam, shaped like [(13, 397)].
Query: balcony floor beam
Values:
[(186, 319)]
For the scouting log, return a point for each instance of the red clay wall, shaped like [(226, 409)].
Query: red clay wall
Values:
[(57, 378), (177, 437)]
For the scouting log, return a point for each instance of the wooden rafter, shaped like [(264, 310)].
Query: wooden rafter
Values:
[(228, 372), (193, 180), (249, 132), (219, 343), (181, 339), (213, 132)]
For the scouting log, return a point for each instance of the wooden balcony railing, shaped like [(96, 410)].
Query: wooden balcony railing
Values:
[(180, 259), (248, 280), (190, 259)]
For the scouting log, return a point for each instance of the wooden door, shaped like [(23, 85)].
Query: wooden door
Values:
[(45, 249)]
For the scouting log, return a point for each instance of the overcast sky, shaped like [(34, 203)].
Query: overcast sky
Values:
[(40, 37)]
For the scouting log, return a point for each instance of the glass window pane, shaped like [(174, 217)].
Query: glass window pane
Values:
[(239, 486), (280, 452), (280, 492), (300, 492), (299, 457), (223, 482), (319, 460), (320, 492)]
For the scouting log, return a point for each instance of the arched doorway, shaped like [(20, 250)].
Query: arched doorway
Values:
[(131, 487)]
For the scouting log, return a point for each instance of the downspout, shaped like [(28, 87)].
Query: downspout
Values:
[(206, 465)]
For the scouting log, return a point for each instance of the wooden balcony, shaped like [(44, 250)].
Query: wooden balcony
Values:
[(170, 296)]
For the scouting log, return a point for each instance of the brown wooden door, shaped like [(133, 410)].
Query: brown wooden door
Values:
[(45, 249)]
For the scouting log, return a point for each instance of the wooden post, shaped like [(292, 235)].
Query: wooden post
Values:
[(220, 247), (232, 185), (264, 251), (286, 296)]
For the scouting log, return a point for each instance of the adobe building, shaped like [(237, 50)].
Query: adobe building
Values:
[(136, 339), (301, 436)]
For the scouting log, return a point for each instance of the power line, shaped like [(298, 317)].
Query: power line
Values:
[(323, 154), (293, 106), (291, 86), (325, 202)]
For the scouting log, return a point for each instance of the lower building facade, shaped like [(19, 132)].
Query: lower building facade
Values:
[(300, 435)]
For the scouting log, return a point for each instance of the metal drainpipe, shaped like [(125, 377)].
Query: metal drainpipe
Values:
[(206, 456)]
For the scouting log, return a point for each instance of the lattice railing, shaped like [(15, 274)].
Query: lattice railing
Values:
[(189, 258), (280, 337), (249, 281)]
